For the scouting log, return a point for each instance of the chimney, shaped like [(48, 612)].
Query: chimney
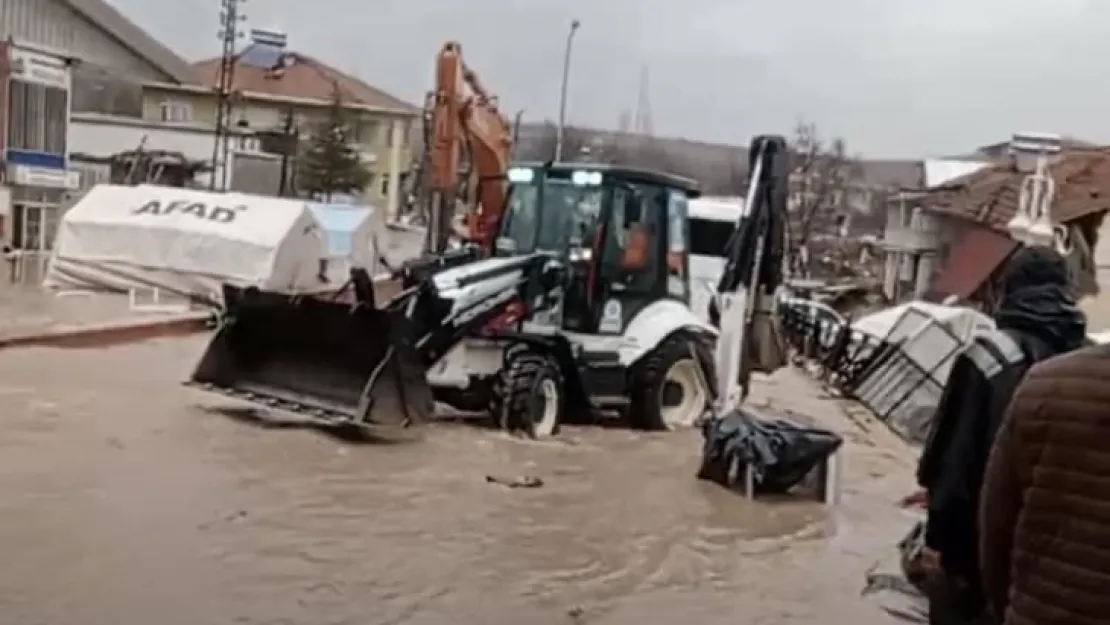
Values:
[(1026, 148), (269, 37)]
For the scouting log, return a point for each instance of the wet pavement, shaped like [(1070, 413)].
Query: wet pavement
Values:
[(128, 499), (26, 311)]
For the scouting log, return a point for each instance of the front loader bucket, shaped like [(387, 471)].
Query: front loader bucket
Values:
[(332, 362)]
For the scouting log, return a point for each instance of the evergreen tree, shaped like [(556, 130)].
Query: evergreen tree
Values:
[(330, 163)]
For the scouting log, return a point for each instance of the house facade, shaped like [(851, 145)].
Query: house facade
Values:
[(279, 91), (47, 49), (916, 239), (950, 239)]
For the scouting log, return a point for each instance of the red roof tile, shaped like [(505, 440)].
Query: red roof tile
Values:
[(990, 195), (302, 77)]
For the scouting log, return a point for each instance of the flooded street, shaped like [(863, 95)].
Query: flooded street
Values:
[(126, 499)]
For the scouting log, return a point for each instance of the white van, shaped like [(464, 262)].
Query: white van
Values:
[(712, 220)]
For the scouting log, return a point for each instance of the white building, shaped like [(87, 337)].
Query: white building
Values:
[(94, 137), (48, 47)]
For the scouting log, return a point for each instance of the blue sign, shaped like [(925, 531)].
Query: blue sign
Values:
[(41, 160)]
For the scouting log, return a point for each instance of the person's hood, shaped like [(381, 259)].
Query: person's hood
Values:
[(1037, 300)]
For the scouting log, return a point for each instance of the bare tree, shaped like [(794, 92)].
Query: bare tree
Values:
[(822, 179), (542, 147), (646, 154), (736, 180)]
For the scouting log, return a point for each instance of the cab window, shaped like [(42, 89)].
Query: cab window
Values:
[(676, 244), (631, 249)]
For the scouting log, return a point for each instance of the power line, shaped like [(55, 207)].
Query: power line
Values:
[(230, 18)]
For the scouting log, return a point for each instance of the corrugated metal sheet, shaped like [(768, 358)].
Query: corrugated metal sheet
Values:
[(108, 19), (972, 260), (54, 25)]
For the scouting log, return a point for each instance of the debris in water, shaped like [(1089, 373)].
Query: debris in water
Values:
[(523, 481)]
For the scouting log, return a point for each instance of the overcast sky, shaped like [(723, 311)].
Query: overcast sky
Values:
[(895, 78)]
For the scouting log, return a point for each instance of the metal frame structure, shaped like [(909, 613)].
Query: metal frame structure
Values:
[(230, 18)]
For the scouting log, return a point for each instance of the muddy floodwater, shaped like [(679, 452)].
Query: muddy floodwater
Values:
[(125, 499)]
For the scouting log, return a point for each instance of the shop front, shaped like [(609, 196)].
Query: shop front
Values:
[(36, 169)]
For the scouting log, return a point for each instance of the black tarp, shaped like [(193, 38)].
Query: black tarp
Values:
[(778, 452)]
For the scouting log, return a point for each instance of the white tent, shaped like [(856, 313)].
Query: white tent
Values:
[(350, 233), (186, 241), (911, 316)]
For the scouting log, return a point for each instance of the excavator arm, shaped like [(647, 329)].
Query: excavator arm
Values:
[(465, 120), (744, 307), (751, 449)]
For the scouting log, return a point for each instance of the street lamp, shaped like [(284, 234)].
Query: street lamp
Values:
[(561, 128), (516, 128)]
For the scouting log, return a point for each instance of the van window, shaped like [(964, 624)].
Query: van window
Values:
[(709, 237)]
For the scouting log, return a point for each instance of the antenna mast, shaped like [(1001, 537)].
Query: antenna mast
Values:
[(643, 123), (229, 34)]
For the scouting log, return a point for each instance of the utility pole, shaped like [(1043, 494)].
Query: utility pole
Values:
[(290, 140), (560, 130), (229, 34)]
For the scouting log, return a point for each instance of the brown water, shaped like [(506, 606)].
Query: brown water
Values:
[(124, 500)]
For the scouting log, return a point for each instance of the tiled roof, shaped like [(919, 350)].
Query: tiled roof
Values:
[(990, 195), (299, 76)]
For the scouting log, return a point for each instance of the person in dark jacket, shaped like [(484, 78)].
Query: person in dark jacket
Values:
[(1045, 509), (1037, 318)]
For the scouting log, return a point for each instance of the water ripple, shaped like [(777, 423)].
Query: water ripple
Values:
[(127, 500)]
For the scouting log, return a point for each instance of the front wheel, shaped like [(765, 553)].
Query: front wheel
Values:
[(531, 396), (667, 388)]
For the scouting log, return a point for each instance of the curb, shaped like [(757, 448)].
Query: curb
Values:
[(107, 334)]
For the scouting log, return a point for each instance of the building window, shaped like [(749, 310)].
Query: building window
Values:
[(34, 226), (176, 111), (366, 131), (38, 117), (248, 143), (383, 185)]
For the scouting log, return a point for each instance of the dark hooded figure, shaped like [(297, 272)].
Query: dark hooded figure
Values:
[(1037, 318)]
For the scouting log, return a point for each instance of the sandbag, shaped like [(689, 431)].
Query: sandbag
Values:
[(778, 453)]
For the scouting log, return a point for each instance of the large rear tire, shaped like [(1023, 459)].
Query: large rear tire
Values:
[(666, 386), (530, 398)]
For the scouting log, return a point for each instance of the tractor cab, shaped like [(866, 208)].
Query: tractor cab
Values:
[(622, 231)]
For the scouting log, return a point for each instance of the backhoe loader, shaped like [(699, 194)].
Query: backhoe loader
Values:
[(582, 309)]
